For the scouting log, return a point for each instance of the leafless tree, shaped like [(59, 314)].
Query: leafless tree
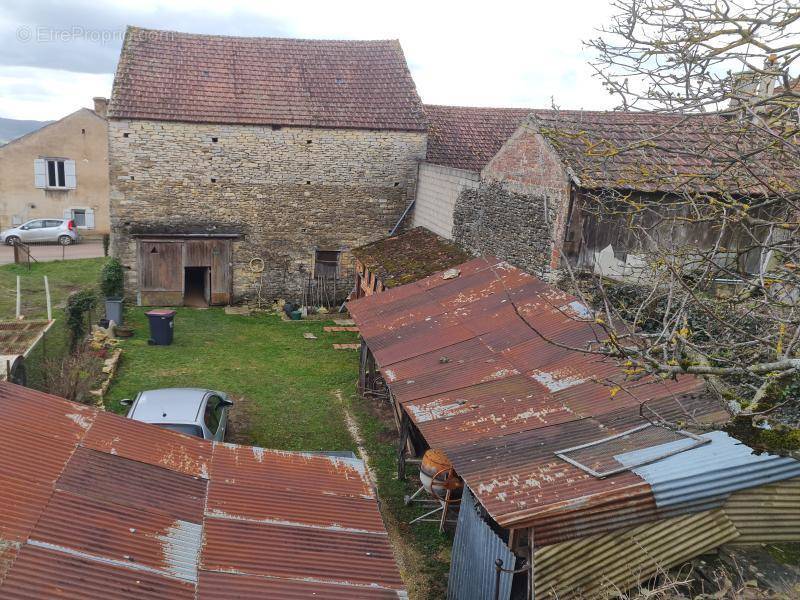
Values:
[(730, 69)]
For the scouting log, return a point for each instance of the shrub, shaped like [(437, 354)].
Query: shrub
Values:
[(73, 376), (79, 304), (106, 243), (112, 279)]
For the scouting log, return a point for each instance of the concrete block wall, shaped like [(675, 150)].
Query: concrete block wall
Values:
[(438, 189)]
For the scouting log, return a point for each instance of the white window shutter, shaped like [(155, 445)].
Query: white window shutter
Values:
[(70, 180), (40, 173), (89, 218), (67, 213)]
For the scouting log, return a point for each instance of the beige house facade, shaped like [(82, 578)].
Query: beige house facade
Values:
[(59, 171)]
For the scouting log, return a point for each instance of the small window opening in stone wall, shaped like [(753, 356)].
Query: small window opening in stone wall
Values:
[(132, 178), (83, 131), (214, 139), (308, 182), (326, 263), (396, 183), (213, 180), (126, 134), (308, 141)]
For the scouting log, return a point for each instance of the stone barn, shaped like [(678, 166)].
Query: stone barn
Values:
[(244, 167)]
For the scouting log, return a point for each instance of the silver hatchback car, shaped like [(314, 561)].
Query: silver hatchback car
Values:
[(193, 411), (62, 231)]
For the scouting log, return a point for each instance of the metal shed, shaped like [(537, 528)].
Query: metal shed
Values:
[(557, 446)]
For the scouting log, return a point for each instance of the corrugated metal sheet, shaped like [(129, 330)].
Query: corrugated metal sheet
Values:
[(502, 401), (292, 552), (601, 566), (45, 573), (224, 586), (151, 445), (769, 513), (475, 549), (98, 507), (256, 484), (716, 469), (117, 533), (44, 414), (135, 485)]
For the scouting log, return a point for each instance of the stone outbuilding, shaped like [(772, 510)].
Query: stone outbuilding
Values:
[(525, 185), (58, 171), (244, 167)]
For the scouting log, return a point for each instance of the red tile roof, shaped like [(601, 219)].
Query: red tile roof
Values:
[(95, 506), (174, 76), (467, 137), (657, 152)]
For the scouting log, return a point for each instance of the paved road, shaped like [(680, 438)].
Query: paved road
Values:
[(55, 252)]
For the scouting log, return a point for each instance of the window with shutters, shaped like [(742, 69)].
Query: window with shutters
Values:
[(326, 263), (54, 173), (79, 216), (56, 177)]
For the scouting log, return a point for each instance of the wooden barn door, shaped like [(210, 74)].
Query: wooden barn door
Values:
[(216, 255), (161, 272), (221, 272)]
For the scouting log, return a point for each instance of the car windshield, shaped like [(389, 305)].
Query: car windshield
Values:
[(194, 430)]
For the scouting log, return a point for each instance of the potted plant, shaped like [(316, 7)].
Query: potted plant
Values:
[(112, 285)]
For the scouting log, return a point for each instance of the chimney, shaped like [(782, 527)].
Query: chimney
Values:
[(101, 106)]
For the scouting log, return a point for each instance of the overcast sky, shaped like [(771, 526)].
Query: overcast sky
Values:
[(56, 54)]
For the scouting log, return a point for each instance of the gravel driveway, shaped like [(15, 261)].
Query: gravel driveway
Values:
[(47, 252)]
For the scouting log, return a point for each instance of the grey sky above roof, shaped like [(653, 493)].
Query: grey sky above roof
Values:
[(54, 56)]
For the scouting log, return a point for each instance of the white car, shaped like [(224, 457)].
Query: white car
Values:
[(193, 411), (62, 231)]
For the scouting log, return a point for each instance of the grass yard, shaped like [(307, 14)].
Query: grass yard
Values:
[(65, 277), (284, 384)]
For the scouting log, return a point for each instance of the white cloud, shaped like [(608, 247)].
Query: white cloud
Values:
[(500, 53), (44, 94)]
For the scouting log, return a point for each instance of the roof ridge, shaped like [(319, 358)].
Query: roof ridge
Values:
[(257, 37)]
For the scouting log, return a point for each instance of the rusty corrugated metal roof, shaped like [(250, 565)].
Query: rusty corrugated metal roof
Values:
[(95, 506), (471, 360)]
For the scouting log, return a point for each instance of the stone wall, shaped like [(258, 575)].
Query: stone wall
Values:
[(287, 190), (438, 189), (492, 220), (519, 211)]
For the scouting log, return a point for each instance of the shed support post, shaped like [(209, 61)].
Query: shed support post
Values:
[(532, 563), (362, 365), (401, 449)]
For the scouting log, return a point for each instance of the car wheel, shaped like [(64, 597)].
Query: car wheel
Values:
[(12, 240), (65, 240)]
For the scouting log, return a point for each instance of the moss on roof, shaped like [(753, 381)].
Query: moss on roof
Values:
[(410, 256)]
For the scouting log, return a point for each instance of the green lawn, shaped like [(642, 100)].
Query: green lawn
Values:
[(284, 384), (65, 277)]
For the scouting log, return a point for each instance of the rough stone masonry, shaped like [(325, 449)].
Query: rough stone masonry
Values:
[(286, 190)]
